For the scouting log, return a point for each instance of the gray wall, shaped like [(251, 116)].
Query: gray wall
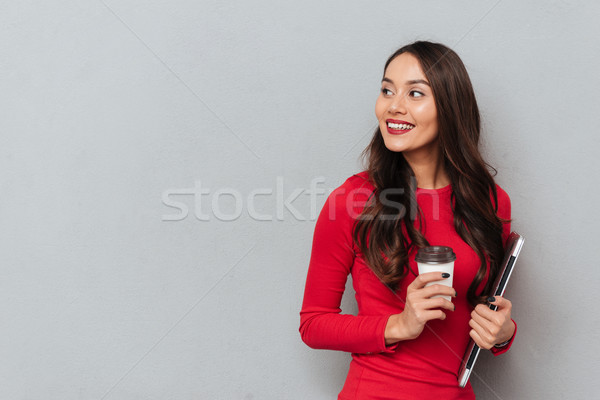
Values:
[(138, 261)]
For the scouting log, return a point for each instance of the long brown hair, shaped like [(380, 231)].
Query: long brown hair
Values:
[(386, 242)]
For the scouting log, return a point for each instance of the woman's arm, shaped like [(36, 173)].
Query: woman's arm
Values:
[(322, 326), (490, 328)]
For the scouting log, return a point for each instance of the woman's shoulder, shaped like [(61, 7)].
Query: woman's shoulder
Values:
[(503, 202), (502, 195), (352, 195), (356, 186), (358, 181)]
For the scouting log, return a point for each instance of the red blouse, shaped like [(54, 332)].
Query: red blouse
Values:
[(423, 368)]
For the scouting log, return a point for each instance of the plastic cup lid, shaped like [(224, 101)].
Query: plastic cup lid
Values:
[(435, 255)]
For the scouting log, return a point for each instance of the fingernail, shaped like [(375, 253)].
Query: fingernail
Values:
[(455, 294), (491, 299), (445, 275)]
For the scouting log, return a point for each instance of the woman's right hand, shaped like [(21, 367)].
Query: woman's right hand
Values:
[(419, 308)]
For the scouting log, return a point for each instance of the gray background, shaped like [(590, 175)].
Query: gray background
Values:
[(110, 108)]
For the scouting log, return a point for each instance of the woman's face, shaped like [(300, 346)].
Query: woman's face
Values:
[(406, 109)]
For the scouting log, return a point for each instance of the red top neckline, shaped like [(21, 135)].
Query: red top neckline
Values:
[(444, 189)]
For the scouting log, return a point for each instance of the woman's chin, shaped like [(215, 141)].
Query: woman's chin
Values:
[(395, 147)]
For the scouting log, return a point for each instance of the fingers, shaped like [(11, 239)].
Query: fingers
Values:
[(423, 298), (500, 302), (423, 279), (486, 330), (429, 297), (424, 316), (434, 290), (489, 326), (479, 341), (484, 315), (487, 322), (421, 307), (504, 308), (431, 303)]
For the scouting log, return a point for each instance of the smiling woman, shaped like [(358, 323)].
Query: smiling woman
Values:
[(425, 184), (406, 109)]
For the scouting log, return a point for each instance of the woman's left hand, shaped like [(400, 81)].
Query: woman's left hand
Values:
[(492, 327)]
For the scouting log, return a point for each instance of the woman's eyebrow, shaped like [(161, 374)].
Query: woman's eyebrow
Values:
[(411, 82)]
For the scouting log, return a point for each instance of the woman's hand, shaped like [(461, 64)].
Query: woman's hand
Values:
[(419, 308), (492, 327)]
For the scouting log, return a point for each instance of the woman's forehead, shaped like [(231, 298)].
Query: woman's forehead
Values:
[(404, 69)]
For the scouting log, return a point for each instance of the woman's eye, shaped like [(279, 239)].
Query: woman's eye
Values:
[(386, 92), (416, 93)]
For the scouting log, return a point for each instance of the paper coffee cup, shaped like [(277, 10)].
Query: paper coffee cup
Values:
[(437, 259)]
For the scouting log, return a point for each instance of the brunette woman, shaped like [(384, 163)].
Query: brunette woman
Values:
[(426, 183)]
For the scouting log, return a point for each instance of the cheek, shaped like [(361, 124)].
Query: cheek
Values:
[(379, 108), (429, 115)]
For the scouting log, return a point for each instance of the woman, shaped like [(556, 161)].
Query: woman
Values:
[(426, 184)]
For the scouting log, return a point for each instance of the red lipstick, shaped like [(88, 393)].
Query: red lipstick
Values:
[(397, 130)]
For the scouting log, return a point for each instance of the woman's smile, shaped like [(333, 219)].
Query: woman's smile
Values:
[(398, 127)]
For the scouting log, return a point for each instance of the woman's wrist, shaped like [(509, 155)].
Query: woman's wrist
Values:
[(500, 345), (394, 330), (507, 341), (391, 329)]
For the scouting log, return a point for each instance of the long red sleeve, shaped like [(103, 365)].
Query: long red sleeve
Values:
[(322, 324)]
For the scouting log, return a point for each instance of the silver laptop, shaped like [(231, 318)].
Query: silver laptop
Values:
[(513, 248)]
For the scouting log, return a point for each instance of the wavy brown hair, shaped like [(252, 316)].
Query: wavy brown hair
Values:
[(386, 232)]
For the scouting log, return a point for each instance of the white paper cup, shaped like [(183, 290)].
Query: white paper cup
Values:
[(437, 259)]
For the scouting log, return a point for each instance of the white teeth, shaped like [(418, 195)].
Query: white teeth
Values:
[(400, 126)]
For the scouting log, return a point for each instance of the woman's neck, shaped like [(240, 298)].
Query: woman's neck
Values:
[(429, 170)]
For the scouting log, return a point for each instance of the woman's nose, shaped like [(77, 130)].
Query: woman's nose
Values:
[(398, 104)]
